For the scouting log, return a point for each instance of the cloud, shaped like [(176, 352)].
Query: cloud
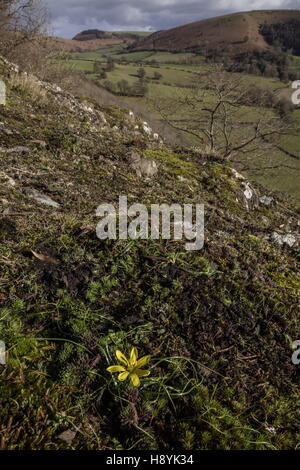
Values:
[(72, 16)]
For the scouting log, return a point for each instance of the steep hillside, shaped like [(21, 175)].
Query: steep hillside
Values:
[(218, 323), (240, 31)]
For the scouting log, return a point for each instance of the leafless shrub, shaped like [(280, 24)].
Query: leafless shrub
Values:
[(21, 21), (213, 115)]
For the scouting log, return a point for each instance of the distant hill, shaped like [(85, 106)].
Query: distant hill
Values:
[(94, 39), (238, 33), (71, 45), (93, 34)]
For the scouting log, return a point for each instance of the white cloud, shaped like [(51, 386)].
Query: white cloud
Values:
[(71, 16)]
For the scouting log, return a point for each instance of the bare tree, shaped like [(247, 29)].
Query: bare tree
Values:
[(21, 21), (215, 113)]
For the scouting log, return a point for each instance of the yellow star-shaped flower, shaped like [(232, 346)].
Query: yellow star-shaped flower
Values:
[(131, 367)]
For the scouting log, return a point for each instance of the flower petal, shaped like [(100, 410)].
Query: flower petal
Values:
[(123, 376), (142, 373), (143, 361), (133, 356), (116, 369), (121, 357), (135, 380)]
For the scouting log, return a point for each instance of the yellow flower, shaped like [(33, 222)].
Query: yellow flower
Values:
[(131, 367)]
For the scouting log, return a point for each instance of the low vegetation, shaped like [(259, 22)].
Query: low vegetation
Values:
[(141, 344), (218, 323), (179, 74)]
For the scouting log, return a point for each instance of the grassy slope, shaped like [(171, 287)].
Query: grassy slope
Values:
[(218, 322), (219, 32), (69, 45), (176, 73)]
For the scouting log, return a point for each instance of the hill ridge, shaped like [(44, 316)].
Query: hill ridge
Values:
[(221, 31)]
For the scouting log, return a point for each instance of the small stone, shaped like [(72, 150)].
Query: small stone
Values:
[(248, 193), (284, 239), (250, 196), (131, 117), (102, 117), (11, 181), (182, 179), (67, 436), (18, 149), (266, 201), (7, 179), (42, 198), (237, 174), (40, 143), (147, 129), (265, 221), (143, 166)]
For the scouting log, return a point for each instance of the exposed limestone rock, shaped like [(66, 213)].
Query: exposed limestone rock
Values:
[(18, 149), (237, 174), (249, 195), (143, 167), (266, 201), (288, 239), (40, 197), (67, 436)]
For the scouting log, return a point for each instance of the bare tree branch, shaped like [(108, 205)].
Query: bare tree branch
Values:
[(216, 113)]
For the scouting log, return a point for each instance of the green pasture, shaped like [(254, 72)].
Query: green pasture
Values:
[(180, 71)]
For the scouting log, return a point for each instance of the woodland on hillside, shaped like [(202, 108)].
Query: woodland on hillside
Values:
[(283, 35)]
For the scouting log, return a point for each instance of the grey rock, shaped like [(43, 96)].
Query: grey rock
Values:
[(266, 201), (67, 436), (8, 132), (143, 167), (10, 181), (40, 143), (265, 221), (237, 174), (102, 117), (18, 149), (40, 197), (147, 129), (284, 239), (182, 179), (250, 198)]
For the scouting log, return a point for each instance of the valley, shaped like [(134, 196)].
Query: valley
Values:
[(149, 230), (179, 71)]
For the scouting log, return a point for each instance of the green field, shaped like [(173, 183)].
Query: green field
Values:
[(137, 33), (181, 70)]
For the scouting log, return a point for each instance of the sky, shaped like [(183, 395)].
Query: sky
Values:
[(69, 17)]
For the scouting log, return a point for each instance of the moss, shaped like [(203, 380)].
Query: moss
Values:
[(174, 164)]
